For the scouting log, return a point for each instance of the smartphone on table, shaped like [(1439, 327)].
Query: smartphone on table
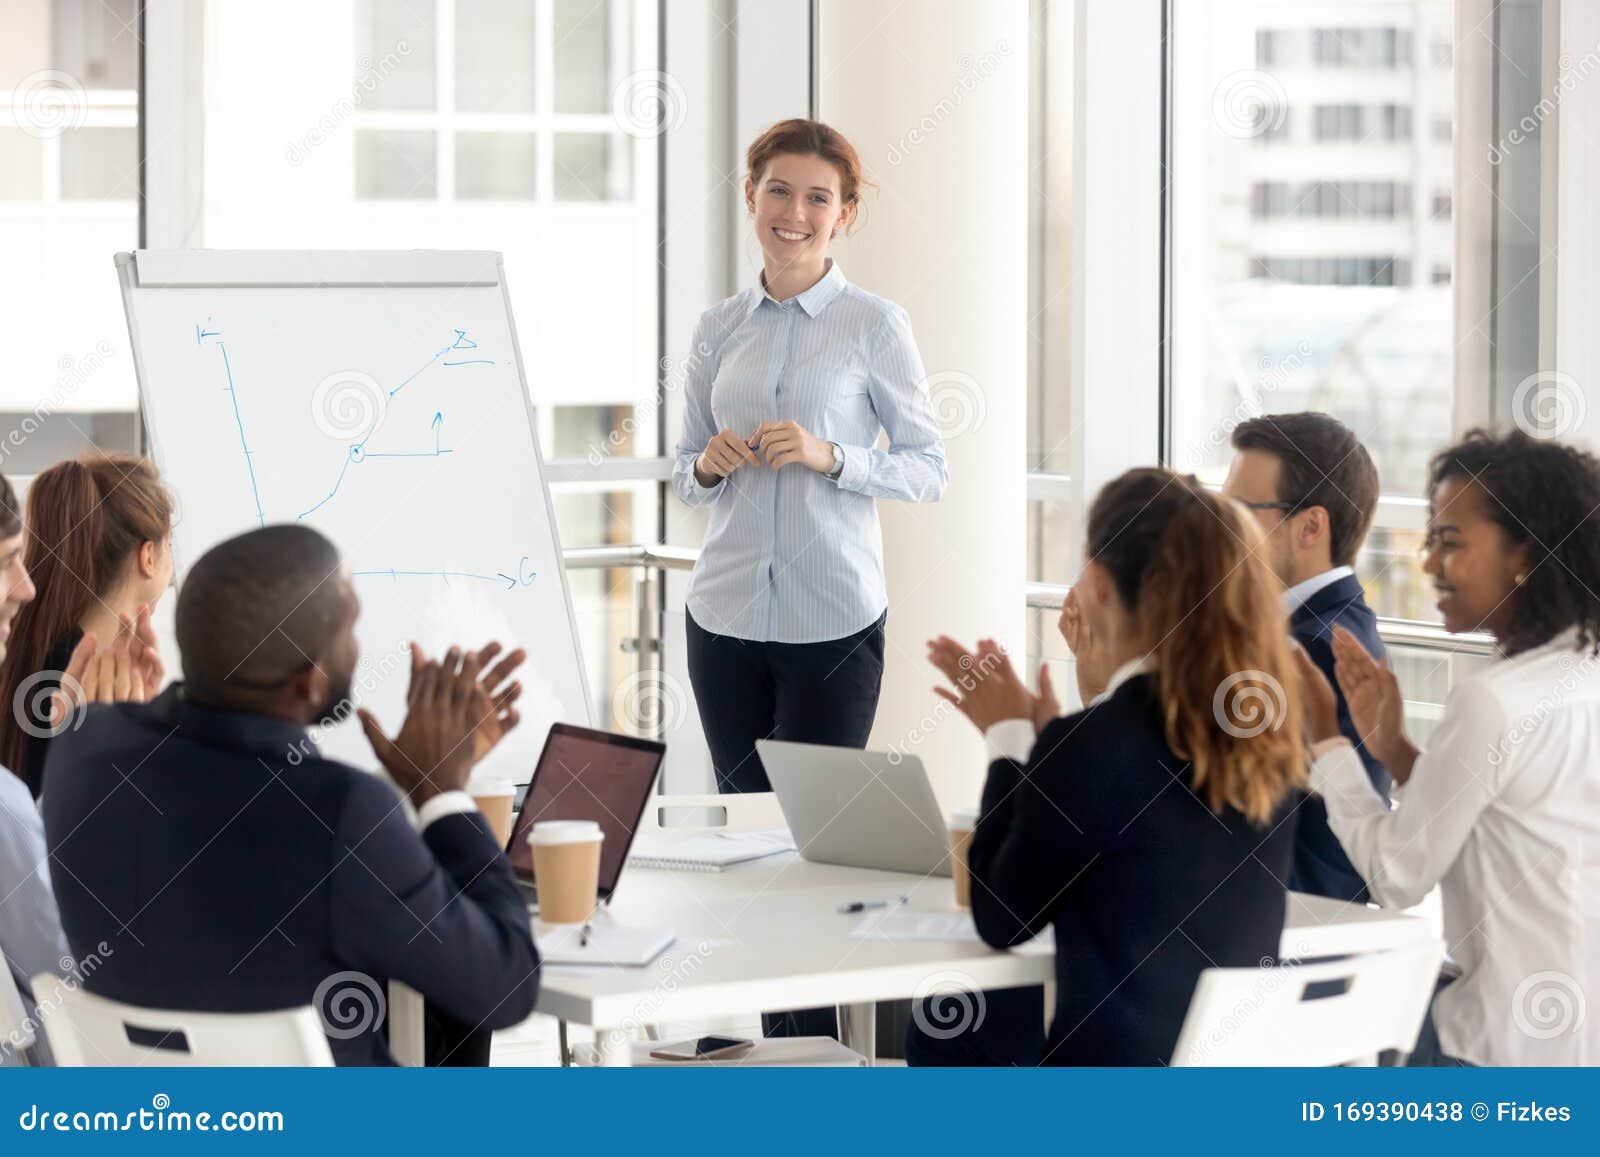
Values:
[(706, 1048)]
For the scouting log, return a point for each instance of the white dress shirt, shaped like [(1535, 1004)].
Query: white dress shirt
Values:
[(1298, 595), (30, 926), (1503, 813), (792, 556)]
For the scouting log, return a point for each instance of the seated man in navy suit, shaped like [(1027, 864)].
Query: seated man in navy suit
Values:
[(230, 867), (1314, 490)]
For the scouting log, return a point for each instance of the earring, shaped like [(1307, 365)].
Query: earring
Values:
[(1519, 578)]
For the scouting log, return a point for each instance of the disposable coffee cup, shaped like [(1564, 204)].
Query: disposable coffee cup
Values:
[(566, 869), (494, 797), (961, 825)]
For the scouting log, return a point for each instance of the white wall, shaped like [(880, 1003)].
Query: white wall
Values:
[(934, 96)]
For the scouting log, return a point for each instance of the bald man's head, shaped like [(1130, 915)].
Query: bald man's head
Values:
[(269, 612)]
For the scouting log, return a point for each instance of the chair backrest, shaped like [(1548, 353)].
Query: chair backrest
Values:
[(1331, 1013), (88, 1031), (712, 812), (16, 1027)]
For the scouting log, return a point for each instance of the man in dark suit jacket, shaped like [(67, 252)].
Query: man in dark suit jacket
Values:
[(1314, 491), (232, 868)]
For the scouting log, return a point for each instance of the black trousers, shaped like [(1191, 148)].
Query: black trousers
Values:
[(804, 692), (451, 1043), (823, 693)]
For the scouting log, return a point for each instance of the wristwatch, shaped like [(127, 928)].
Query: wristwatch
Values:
[(838, 462)]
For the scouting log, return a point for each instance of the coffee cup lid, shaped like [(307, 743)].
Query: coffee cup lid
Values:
[(548, 832), (964, 820)]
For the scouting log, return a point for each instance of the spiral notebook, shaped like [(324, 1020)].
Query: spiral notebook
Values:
[(715, 852)]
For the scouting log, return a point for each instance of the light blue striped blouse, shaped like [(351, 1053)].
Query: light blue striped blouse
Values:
[(791, 556)]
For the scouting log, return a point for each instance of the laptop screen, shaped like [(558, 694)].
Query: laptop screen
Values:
[(585, 774)]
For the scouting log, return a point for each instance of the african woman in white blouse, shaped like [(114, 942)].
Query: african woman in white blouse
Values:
[(1502, 810)]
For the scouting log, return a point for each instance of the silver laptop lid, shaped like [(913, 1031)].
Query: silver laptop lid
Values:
[(863, 809)]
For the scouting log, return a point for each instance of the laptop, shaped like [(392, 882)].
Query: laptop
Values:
[(863, 809), (584, 774)]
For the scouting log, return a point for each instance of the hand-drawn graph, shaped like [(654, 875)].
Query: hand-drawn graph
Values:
[(357, 452)]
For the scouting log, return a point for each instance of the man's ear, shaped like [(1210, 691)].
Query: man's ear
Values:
[(1315, 527), (310, 686)]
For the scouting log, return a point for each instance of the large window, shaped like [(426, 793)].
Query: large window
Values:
[(1311, 260), (1052, 525), (69, 198), (530, 129)]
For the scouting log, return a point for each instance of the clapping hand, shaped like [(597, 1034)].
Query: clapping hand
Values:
[(130, 670), (497, 715), (1377, 708), (433, 751), (989, 690)]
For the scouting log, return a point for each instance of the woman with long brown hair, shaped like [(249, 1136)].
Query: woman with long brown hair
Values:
[(98, 547), (1151, 827)]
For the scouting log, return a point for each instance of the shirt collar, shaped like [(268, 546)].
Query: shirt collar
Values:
[(1143, 665), (1300, 594), (813, 300)]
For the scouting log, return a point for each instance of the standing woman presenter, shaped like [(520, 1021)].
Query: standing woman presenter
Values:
[(789, 385)]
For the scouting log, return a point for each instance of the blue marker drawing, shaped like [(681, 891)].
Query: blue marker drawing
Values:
[(462, 342), (359, 453), (358, 450), (227, 369), (473, 362), (395, 573)]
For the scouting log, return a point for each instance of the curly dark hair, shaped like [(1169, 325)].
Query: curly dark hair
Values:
[(1545, 496)]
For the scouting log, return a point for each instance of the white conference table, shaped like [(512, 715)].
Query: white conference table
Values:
[(767, 936)]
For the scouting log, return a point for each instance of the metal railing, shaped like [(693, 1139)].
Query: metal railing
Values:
[(1040, 596), (1395, 632)]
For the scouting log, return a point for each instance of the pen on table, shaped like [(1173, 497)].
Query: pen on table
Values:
[(863, 905)]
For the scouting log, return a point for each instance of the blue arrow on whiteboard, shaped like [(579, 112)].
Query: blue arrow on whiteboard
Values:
[(438, 417)]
